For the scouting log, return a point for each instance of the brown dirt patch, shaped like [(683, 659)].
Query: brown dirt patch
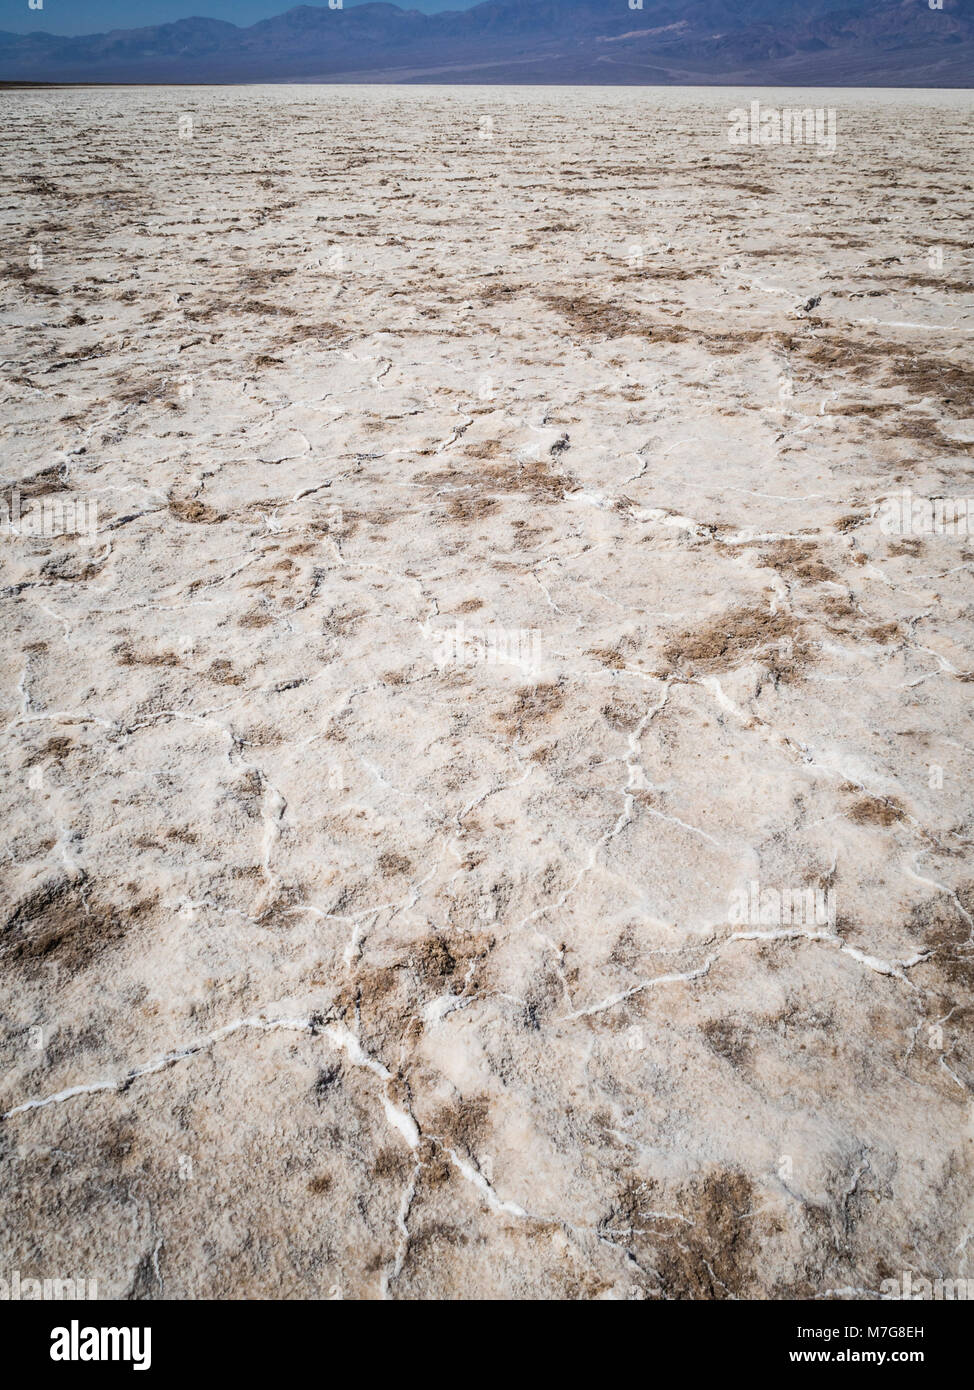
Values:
[(732, 638)]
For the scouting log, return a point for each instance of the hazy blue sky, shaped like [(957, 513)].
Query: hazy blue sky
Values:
[(95, 16)]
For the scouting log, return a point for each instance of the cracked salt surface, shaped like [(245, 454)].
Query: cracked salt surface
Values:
[(330, 964)]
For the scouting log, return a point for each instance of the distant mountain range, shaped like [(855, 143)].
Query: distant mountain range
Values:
[(897, 43)]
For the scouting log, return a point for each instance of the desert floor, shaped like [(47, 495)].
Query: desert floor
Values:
[(491, 582)]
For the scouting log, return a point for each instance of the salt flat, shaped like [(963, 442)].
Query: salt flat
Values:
[(499, 618)]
